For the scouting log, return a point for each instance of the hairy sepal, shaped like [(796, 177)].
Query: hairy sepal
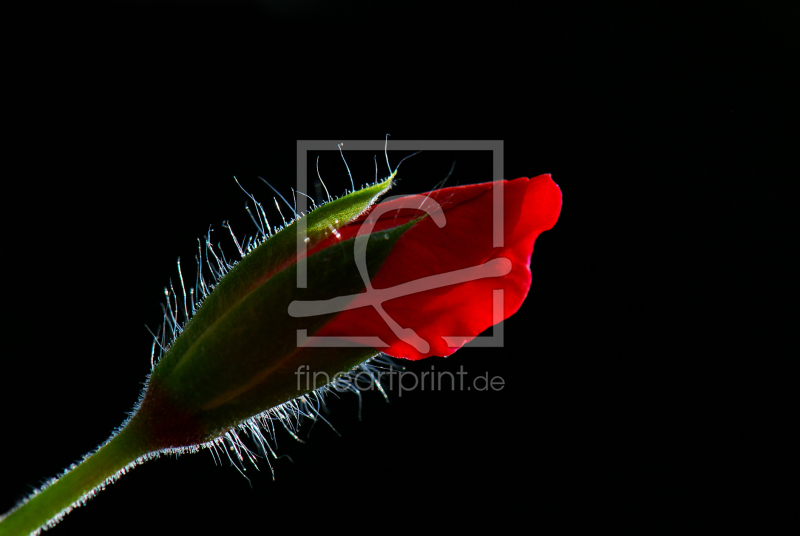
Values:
[(238, 355)]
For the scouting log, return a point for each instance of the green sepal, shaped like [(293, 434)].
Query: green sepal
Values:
[(238, 356), (262, 263)]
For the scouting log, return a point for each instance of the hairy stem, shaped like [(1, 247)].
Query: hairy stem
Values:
[(73, 488)]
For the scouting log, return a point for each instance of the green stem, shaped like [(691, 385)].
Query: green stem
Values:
[(124, 448)]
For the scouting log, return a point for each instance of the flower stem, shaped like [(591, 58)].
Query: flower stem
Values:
[(74, 487)]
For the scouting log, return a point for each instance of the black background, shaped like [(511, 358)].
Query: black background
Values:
[(130, 120)]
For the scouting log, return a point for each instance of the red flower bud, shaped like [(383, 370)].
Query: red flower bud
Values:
[(412, 277), (461, 306)]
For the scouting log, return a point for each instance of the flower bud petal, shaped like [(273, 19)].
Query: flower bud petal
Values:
[(451, 315)]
